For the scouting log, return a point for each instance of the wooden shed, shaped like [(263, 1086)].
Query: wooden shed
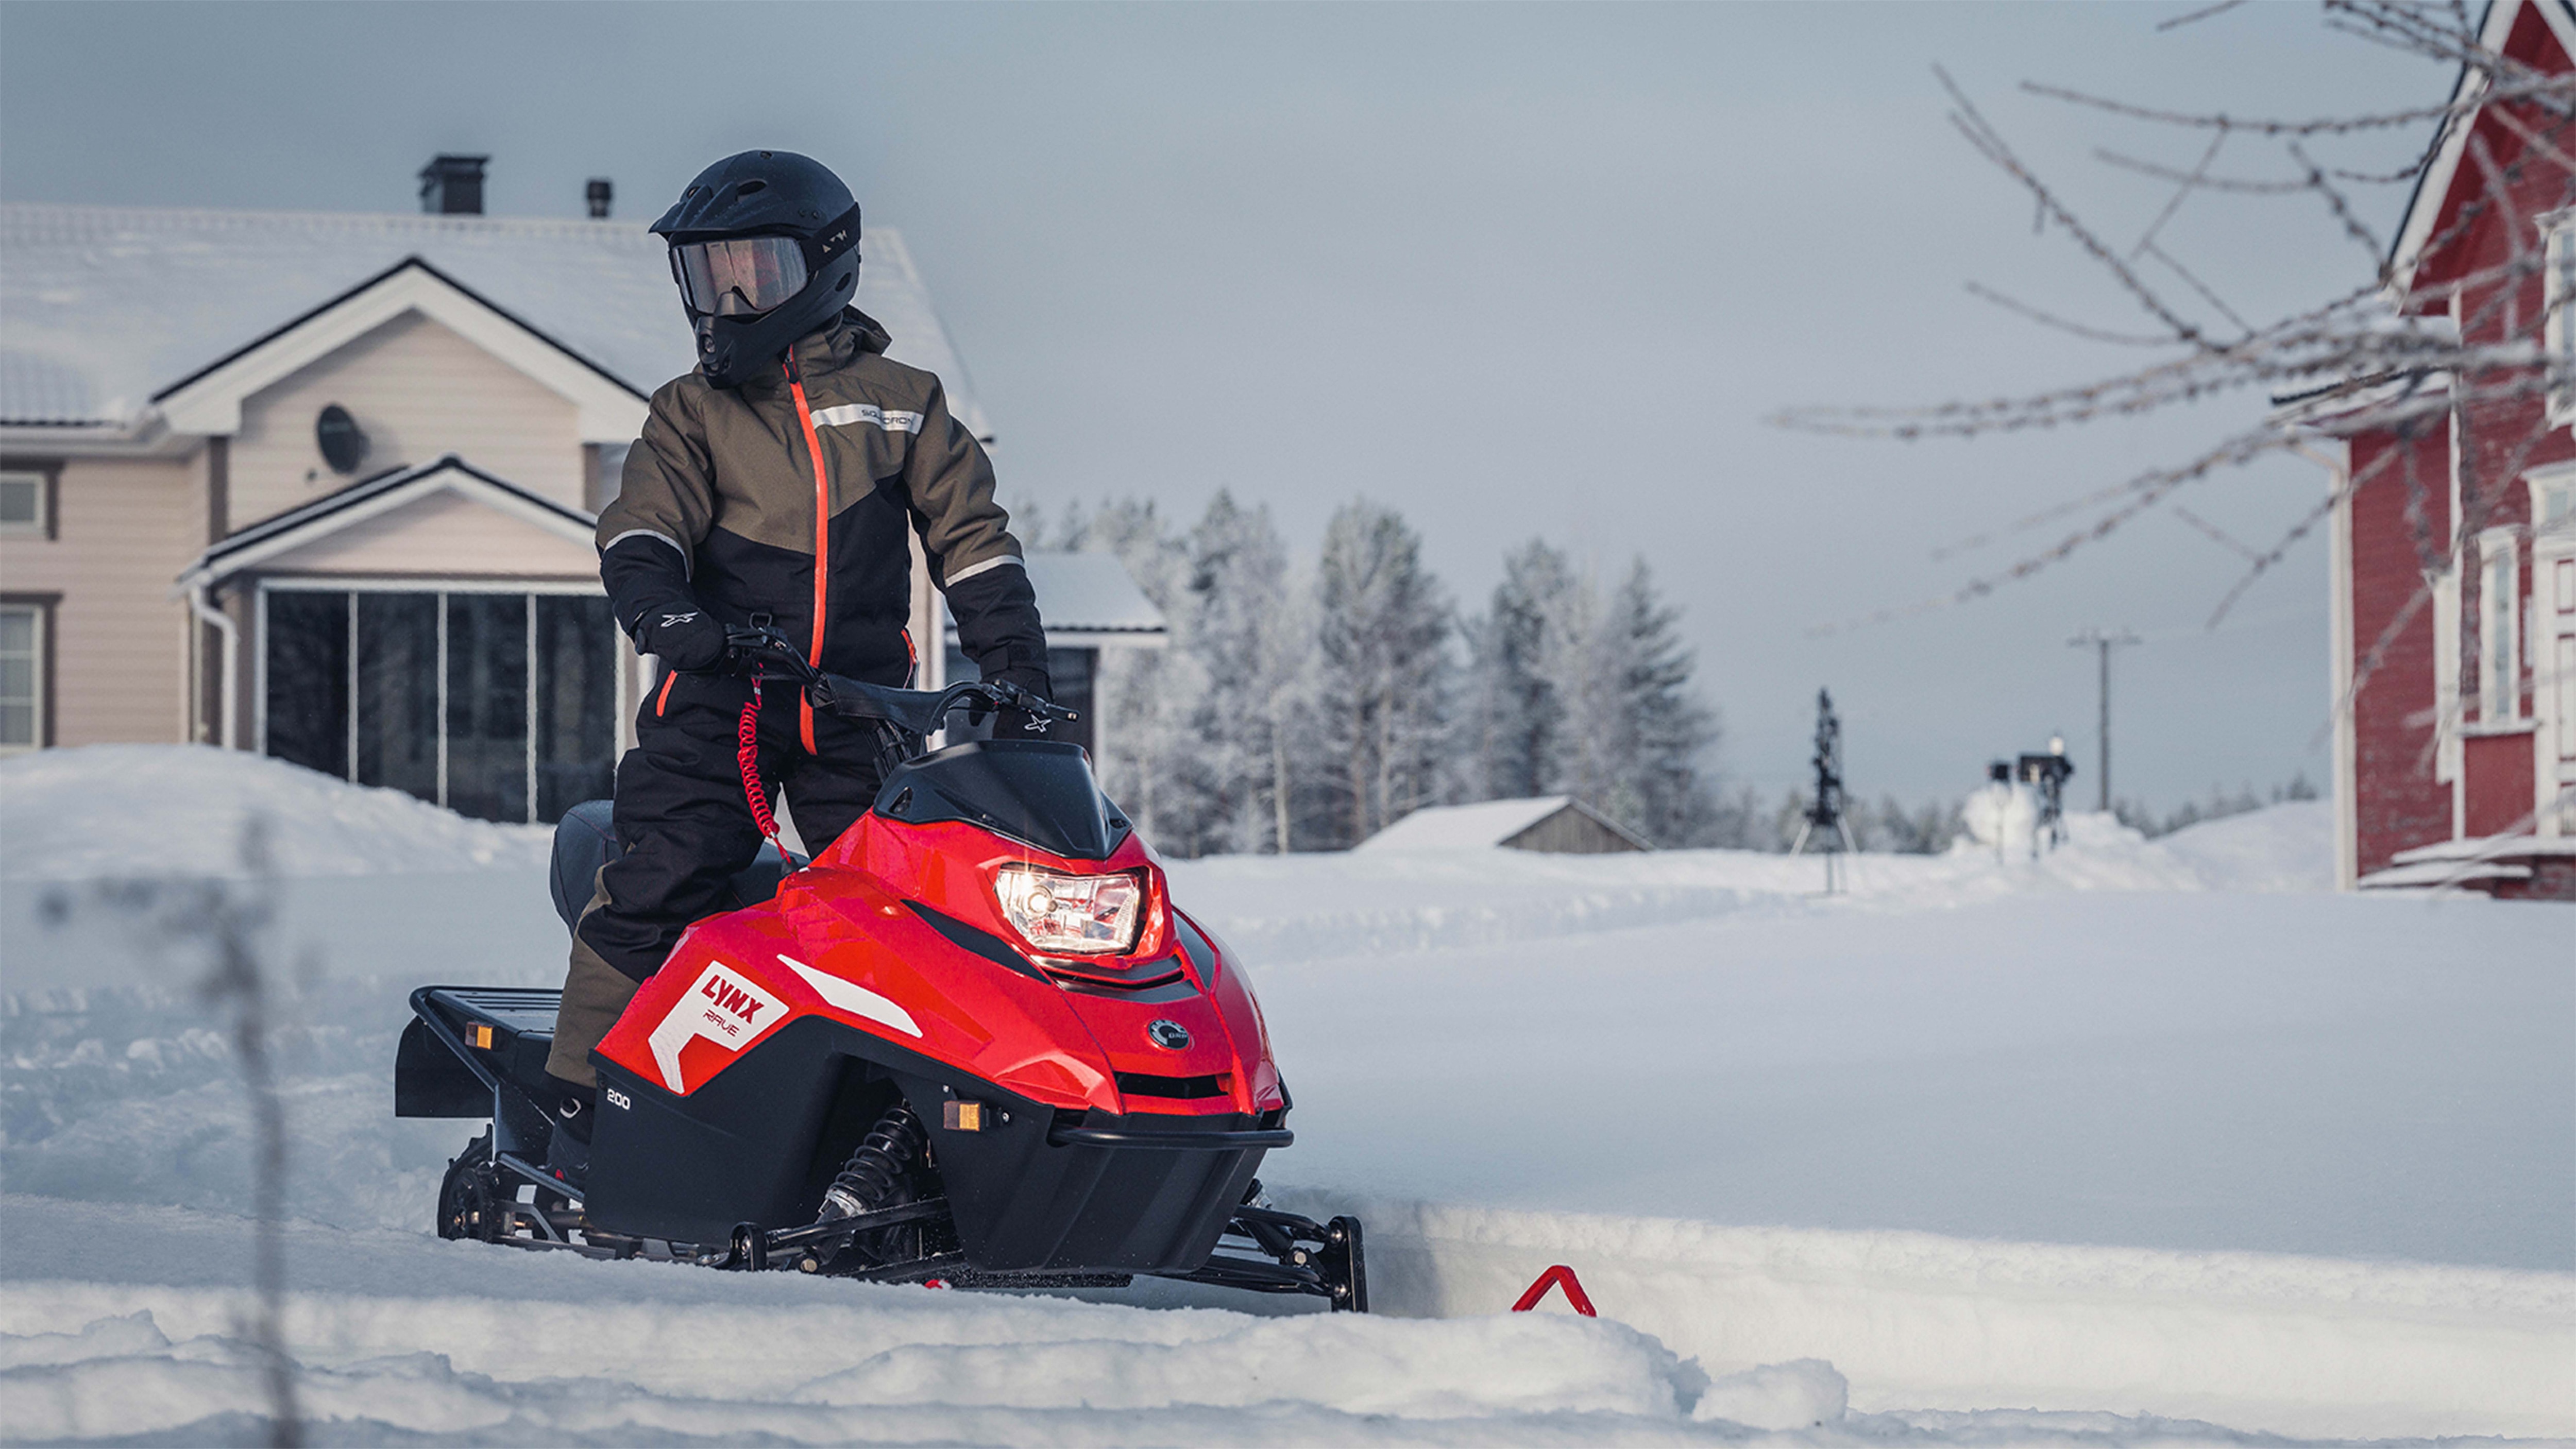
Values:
[(1557, 824)]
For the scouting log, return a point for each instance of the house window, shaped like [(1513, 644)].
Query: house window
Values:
[(22, 503), (2559, 336), (22, 677), (502, 706), (2501, 610)]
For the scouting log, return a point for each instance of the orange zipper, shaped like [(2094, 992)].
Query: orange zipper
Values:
[(822, 545), (662, 701)]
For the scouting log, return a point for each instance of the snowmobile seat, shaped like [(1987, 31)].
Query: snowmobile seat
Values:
[(586, 839)]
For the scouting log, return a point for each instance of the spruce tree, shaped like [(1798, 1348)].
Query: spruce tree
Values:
[(1513, 714), (1663, 728), (1382, 633)]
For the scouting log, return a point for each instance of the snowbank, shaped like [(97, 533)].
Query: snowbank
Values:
[(2305, 1346), (144, 810)]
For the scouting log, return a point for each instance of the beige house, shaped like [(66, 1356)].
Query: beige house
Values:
[(322, 486)]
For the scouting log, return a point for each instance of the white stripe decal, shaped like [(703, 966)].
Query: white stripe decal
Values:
[(867, 413), (853, 998), (1007, 560)]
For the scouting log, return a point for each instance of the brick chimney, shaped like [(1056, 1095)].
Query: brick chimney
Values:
[(452, 185)]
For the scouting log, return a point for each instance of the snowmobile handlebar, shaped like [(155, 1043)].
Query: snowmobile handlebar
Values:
[(923, 712)]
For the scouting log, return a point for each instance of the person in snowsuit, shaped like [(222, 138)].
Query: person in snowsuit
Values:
[(780, 483)]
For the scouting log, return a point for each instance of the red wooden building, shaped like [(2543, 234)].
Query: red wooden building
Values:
[(2454, 563)]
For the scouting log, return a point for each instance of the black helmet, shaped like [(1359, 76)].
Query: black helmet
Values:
[(765, 247)]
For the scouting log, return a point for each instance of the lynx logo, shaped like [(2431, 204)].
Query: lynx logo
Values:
[(619, 1099), (720, 1007)]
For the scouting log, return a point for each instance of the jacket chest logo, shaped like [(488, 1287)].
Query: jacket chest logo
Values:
[(867, 414)]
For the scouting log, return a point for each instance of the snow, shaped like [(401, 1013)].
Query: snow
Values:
[(1464, 827), (106, 810), (2118, 1146)]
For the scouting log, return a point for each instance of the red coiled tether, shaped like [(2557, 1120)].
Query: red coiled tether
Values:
[(748, 735)]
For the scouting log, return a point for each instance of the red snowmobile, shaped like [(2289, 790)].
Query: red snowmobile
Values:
[(975, 1042)]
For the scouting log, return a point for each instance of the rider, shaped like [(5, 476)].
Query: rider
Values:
[(777, 483)]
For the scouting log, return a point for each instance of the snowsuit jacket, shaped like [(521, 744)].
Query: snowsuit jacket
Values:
[(793, 496)]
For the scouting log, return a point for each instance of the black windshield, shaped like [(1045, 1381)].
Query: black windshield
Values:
[(1038, 792)]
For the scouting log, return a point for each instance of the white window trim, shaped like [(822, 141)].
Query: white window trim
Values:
[(43, 526), (2500, 690), (43, 616)]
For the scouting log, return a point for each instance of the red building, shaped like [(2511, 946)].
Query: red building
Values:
[(2454, 564)]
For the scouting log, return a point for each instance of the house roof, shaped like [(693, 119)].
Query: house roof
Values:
[(1481, 826), (1090, 598), (370, 497), (108, 307), (2450, 144)]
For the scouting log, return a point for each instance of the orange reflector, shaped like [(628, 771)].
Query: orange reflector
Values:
[(483, 1037), (959, 1116)]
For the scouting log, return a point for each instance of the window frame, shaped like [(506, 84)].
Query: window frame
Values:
[(46, 475), (42, 606)]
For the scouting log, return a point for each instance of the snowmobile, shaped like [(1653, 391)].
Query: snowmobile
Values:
[(973, 1042)]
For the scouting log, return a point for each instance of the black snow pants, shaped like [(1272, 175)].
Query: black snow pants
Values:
[(686, 824)]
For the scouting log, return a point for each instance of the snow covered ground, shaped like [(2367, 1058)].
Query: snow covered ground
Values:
[(2119, 1146)]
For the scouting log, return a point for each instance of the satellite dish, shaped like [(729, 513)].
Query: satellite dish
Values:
[(344, 445)]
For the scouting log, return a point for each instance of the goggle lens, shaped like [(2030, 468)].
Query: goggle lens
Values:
[(739, 277)]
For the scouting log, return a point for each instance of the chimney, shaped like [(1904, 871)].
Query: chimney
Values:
[(598, 193), (452, 185)]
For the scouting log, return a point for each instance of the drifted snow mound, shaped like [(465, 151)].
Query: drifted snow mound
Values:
[(148, 810)]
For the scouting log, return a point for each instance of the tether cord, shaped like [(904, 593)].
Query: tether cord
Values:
[(747, 734)]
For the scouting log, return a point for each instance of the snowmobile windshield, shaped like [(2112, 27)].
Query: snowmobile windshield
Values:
[(739, 276)]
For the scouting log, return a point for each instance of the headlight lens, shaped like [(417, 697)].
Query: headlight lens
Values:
[(1071, 915)]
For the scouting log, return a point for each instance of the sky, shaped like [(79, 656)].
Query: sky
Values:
[(1525, 271)]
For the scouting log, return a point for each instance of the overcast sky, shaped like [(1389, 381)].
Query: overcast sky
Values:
[(1513, 271)]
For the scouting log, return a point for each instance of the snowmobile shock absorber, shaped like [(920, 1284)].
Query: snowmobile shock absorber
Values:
[(868, 1181)]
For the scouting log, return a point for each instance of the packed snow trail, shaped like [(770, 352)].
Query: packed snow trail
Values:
[(2114, 1055)]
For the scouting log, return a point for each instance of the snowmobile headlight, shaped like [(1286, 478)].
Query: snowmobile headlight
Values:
[(1071, 915)]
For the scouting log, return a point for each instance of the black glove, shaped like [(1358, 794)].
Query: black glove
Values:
[(1021, 724), (690, 640)]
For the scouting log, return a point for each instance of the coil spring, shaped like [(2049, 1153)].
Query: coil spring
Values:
[(869, 1179)]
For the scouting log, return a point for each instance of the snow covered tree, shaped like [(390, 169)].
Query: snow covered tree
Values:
[(1662, 728), (1254, 639), (1513, 715), (1382, 635)]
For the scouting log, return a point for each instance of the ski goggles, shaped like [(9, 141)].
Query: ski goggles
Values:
[(739, 276)]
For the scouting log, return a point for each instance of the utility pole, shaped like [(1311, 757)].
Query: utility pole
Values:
[(2102, 644), (1826, 813)]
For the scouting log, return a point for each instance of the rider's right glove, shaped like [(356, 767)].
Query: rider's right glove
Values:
[(687, 638)]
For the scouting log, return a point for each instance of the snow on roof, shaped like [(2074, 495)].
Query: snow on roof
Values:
[(1465, 827), (106, 306), (1089, 593)]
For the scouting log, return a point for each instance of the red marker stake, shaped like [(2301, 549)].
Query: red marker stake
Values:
[(1559, 1276)]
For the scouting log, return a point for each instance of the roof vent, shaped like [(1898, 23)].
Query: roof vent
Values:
[(452, 185), (597, 194)]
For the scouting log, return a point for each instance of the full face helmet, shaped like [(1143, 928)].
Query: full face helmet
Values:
[(765, 247)]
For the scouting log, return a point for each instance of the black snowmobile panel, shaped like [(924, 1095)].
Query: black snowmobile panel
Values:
[(1036, 1189), (484, 1036), (1037, 792), (586, 839)]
